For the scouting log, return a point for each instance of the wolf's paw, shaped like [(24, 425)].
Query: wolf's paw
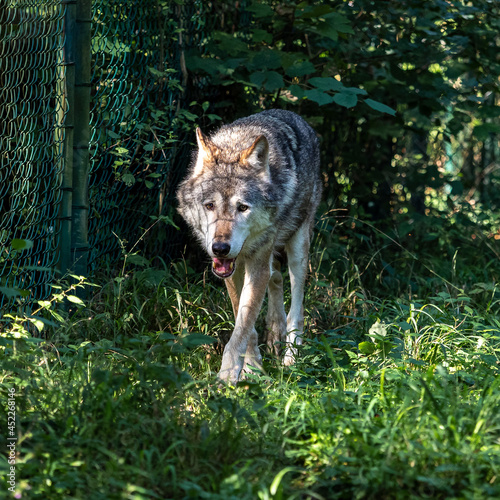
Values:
[(230, 369), (289, 357), (252, 363), (229, 376), (232, 362), (275, 336), (249, 371)]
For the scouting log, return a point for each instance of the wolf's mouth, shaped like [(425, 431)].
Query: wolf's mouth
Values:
[(223, 268)]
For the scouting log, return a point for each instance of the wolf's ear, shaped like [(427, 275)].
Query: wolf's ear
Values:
[(257, 155), (206, 151)]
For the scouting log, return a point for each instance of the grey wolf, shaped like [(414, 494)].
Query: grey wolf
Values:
[(251, 195)]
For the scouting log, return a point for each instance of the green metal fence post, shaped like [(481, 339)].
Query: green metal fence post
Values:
[(67, 108), (81, 137)]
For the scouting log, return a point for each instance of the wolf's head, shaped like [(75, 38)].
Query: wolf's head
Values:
[(226, 197)]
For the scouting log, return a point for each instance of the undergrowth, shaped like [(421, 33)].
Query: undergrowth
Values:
[(395, 397)]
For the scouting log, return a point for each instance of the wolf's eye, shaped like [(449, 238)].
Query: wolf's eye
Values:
[(242, 208), (209, 206)]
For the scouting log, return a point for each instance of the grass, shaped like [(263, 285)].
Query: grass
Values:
[(391, 398)]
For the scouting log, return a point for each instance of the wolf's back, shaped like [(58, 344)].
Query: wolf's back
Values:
[(292, 142)]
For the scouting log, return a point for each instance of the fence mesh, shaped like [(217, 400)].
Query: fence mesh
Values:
[(32, 114), (139, 131), (137, 128)]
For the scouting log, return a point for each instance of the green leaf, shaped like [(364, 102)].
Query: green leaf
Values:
[(18, 244), (209, 65), (355, 90), (128, 179), (75, 300), (166, 219), (318, 96), (37, 340), (161, 74), (404, 325), (212, 117), (196, 339), (260, 10), (259, 36), (137, 260), (325, 31), (297, 91), (275, 485), (417, 362), (270, 80), (187, 114), (167, 336), (266, 59), (378, 106), (339, 23), (347, 100), (40, 322), (483, 131), (230, 44), (113, 135), (326, 83), (300, 68), (258, 78), (37, 322), (312, 12), (367, 347), (13, 292), (330, 25)]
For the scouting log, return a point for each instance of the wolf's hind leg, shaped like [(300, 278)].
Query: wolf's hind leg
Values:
[(298, 251), (276, 316)]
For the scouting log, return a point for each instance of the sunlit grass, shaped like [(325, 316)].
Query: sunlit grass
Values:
[(390, 398)]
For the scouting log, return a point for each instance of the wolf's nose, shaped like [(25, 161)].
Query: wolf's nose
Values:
[(220, 249)]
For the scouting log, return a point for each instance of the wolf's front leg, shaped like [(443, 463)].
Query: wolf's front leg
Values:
[(257, 273)]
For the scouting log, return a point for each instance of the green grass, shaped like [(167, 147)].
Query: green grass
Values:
[(391, 398)]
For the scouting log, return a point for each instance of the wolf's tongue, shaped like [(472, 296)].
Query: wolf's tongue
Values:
[(223, 267)]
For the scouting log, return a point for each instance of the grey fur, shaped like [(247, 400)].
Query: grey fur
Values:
[(253, 188)]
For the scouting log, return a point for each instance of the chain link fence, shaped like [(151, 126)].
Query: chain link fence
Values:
[(32, 130), (139, 123), (95, 132)]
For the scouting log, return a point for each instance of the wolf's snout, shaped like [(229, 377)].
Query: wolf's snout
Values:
[(221, 249)]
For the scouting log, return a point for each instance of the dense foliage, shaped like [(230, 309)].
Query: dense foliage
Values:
[(344, 64), (396, 390), (404, 96)]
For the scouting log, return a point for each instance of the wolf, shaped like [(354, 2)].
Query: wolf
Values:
[(250, 197)]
